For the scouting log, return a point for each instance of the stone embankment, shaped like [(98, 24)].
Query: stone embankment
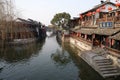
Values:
[(98, 60)]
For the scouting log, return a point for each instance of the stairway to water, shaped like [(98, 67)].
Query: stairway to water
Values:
[(106, 67)]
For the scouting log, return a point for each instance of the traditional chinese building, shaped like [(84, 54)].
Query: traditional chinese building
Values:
[(100, 27)]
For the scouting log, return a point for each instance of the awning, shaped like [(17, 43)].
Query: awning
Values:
[(107, 32), (116, 37), (86, 31)]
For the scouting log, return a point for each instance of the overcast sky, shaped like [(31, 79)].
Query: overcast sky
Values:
[(44, 10)]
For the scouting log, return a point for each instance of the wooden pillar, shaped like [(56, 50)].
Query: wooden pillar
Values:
[(80, 34), (21, 35), (24, 35), (30, 35), (15, 35), (110, 41), (27, 34), (3, 35), (0, 35), (93, 37), (107, 42), (85, 36)]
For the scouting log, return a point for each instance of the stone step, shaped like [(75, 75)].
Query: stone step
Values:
[(98, 60), (109, 72), (104, 64), (101, 61), (106, 69)]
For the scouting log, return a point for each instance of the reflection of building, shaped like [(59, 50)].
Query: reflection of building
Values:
[(99, 27), (20, 53)]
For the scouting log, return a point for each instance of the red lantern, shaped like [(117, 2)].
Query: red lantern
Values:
[(109, 8), (118, 4), (87, 14), (93, 13), (90, 13), (103, 7), (98, 10), (83, 15)]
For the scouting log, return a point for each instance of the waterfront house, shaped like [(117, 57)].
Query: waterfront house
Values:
[(98, 23), (22, 29), (108, 26), (94, 24), (91, 18), (99, 27)]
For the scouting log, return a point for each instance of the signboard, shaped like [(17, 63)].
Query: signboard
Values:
[(106, 24)]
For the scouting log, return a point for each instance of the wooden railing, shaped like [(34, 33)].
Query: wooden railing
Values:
[(86, 23), (112, 19), (117, 19)]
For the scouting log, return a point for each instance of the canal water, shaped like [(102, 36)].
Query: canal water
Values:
[(45, 60)]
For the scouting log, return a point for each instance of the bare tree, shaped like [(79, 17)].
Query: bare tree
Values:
[(7, 16)]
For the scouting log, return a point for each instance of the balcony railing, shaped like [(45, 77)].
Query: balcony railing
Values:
[(117, 19), (86, 23), (111, 19)]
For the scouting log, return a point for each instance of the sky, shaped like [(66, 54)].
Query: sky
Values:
[(44, 10)]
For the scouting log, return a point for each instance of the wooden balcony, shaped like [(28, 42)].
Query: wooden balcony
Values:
[(87, 23), (115, 19)]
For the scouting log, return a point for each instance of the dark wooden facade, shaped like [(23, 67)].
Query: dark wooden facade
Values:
[(21, 29)]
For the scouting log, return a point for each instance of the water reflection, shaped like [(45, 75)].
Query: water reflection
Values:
[(20, 53), (60, 57), (48, 62), (38, 61), (85, 71)]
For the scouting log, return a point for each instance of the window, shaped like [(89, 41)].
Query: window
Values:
[(106, 24)]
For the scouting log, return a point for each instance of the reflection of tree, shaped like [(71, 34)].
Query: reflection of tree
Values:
[(60, 57), (58, 39), (20, 53)]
